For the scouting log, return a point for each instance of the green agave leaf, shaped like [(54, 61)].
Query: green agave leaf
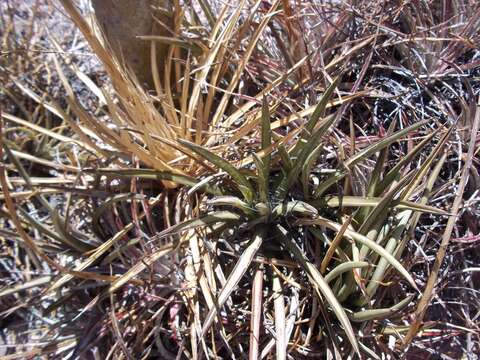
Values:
[(376, 175), (307, 149), (351, 282), (266, 133), (319, 111), (421, 173), (410, 205), (348, 286), (406, 185), (262, 178), (387, 235), (286, 160), (234, 278), (364, 241), (283, 153), (361, 201), (344, 267), (159, 175), (379, 314), (408, 190), (317, 114), (340, 174), (376, 220), (234, 202), (432, 178), (206, 220), (382, 266), (298, 207), (307, 169), (320, 285), (380, 163), (243, 184), (402, 329), (383, 143), (377, 217), (394, 173)]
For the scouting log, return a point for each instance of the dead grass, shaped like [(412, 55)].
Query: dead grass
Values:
[(92, 163)]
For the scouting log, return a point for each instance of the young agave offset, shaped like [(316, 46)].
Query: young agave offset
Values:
[(275, 214)]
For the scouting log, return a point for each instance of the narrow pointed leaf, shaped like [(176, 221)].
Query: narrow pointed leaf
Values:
[(317, 114), (344, 267), (382, 266), (369, 352), (360, 201), (234, 278), (383, 143), (262, 178), (380, 314), (376, 175), (287, 161), (421, 173), (380, 212), (307, 169), (232, 201), (266, 131), (311, 144), (321, 285), (159, 175), (297, 207), (364, 241), (243, 184), (362, 155), (394, 173), (209, 219)]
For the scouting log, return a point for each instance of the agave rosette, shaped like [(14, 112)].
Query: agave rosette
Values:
[(281, 212)]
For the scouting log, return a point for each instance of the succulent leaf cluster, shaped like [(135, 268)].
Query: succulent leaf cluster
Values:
[(277, 212)]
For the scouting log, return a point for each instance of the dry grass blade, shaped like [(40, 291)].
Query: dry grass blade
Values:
[(244, 185), (322, 287), (335, 242), (280, 323), (141, 266), (428, 291), (256, 310), (29, 284), (233, 279), (118, 241)]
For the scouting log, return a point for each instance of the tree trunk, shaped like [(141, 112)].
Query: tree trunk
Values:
[(122, 21)]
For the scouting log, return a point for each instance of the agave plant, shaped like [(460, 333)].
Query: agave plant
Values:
[(312, 228), (281, 212)]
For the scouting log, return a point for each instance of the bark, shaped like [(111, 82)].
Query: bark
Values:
[(122, 21)]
